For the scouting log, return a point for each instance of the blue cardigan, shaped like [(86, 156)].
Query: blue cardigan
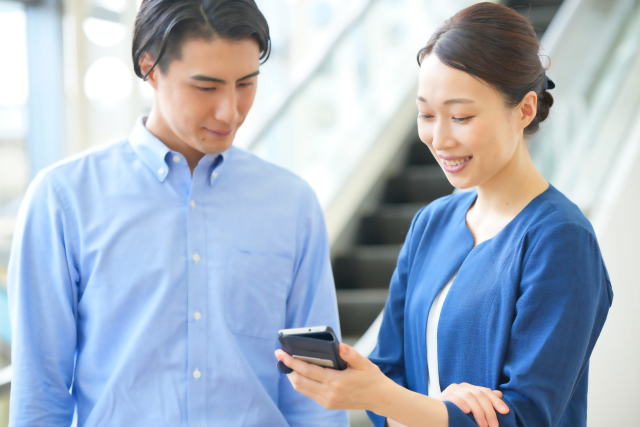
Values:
[(522, 316)]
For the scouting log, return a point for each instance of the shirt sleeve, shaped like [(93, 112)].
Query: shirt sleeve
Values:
[(311, 302), (564, 298), (42, 302), (390, 356)]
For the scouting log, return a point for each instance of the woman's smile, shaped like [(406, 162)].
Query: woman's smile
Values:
[(453, 164)]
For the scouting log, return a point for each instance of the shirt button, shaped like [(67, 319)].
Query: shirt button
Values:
[(196, 258), (214, 175), (160, 171), (197, 315), (176, 159), (196, 374), (192, 204)]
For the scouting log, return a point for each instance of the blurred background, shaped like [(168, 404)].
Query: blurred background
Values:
[(336, 105)]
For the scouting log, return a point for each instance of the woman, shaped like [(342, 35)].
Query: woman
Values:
[(509, 277)]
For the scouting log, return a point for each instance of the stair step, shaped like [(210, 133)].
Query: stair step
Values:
[(526, 4), (540, 16), (419, 154), (388, 225), (358, 308), (366, 267), (418, 184)]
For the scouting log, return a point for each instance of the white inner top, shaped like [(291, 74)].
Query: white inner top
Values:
[(433, 382)]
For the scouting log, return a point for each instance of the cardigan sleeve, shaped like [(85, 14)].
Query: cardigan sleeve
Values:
[(390, 356), (564, 297)]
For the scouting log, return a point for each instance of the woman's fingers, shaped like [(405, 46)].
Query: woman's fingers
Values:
[(496, 399), (459, 402), (309, 388), (308, 370), (488, 412), (475, 406), (303, 384)]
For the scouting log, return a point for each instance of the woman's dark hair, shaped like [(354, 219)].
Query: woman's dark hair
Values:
[(163, 26), (499, 46)]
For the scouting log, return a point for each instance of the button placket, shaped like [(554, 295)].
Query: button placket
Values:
[(196, 300)]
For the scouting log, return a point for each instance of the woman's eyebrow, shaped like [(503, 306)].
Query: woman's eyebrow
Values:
[(459, 101), (450, 101)]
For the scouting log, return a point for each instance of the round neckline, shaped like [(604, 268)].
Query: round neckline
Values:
[(533, 202)]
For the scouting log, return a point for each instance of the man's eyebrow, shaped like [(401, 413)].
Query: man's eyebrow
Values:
[(201, 78), (248, 76)]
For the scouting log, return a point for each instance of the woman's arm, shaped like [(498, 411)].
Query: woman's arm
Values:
[(363, 386)]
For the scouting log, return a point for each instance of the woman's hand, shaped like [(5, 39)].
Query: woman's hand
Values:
[(479, 400), (357, 387)]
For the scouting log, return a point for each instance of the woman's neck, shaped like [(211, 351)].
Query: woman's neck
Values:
[(513, 187), (501, 198)]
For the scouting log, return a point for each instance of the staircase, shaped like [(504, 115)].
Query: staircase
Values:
[(539, 12), (363, 272)]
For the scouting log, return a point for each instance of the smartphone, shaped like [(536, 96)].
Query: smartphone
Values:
[(317, 345)]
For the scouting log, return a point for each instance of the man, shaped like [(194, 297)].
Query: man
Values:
[(149, 277)]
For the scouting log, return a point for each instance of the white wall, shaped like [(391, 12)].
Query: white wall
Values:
[(614, 392)]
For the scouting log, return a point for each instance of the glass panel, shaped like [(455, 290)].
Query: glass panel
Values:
[(14, 93), (577, 148), (329, 125)]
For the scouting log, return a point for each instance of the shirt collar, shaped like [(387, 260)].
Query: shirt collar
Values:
[(153, 153)]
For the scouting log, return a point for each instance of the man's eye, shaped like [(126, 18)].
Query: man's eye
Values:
[(462, 119), (245, 84), (207, 89)]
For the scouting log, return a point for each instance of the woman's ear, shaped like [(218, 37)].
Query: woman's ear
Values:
[(146, 63), (527, 109)]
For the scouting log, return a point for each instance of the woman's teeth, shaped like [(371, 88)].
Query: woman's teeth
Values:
[(455, 162)]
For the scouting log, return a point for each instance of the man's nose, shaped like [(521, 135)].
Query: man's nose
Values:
[(227, 110)]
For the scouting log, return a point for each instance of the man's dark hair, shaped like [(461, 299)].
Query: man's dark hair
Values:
[(164, 26)]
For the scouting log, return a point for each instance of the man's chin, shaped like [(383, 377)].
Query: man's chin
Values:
[(215, 147)]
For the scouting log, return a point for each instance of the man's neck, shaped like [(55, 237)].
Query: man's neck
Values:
[(160, 129)]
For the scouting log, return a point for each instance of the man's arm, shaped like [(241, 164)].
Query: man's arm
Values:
[(42, 302), (311, 302)]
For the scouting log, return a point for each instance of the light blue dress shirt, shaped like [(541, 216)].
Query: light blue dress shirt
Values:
[(156, 297)]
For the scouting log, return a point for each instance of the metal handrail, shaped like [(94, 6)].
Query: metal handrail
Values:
[(311, 68)]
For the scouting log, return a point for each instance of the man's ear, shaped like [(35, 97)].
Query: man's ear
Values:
[(146, 62), (528, 109)]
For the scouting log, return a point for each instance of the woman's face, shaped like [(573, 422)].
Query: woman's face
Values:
[(466, 124)]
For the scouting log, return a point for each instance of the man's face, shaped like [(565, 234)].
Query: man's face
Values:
[(205, 96)]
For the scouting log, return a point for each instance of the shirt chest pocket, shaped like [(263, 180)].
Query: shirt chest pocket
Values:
[(256, 293)]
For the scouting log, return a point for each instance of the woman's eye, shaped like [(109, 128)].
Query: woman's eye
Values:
[(425, 116), (462, 119)]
